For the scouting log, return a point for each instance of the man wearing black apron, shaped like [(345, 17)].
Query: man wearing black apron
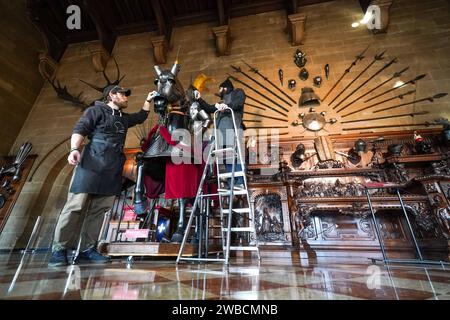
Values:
[(97, 177)]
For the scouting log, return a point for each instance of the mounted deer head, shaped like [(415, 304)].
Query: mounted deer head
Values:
[(114, 83), (63, 93)]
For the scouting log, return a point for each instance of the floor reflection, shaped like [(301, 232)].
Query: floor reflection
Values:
[(152, 280)]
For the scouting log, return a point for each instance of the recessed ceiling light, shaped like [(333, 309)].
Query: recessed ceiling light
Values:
[(355, 24)]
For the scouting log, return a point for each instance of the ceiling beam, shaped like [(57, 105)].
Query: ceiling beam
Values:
[(101, 14), (55, 46), (222, 12), (291, 6), (164, 27)]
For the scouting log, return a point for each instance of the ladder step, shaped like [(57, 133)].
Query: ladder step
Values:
[(228, 174), (237, 210), (223, 150), (225, 192), (240, 229), (244, 248)]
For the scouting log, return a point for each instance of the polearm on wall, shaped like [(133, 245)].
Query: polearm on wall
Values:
[(255, 70), (376, 58), (359, 57)]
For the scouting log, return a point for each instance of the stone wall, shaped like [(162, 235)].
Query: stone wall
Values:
[(20, 81), (418, 35)]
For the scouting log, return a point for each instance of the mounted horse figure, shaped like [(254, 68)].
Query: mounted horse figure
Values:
[(167, 165)]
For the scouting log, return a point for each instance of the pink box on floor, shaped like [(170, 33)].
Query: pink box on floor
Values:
[(136, 233), (129, 214)]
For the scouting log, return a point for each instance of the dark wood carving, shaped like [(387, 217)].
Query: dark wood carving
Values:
[(272, 219), (328, 206)]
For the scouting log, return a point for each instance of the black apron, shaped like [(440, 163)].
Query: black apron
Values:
[(101, 165)]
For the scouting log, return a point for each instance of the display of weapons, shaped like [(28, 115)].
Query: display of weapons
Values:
[(400, 96), (327, 70), (395, 75), (419, 113), (269, 127), (359, 57), (280, 76), (253, 69), (264, 116), (266, 105), (412, 81), (426, 124), (376, 58), (254, 106), (239, 70), (430, 99), (387, 65), (246, 120), (14, 168), (253, 89)]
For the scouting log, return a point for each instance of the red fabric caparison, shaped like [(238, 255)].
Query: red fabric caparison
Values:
[(181, 180)]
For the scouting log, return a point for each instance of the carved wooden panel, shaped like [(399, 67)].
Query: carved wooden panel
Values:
[(271, 211)]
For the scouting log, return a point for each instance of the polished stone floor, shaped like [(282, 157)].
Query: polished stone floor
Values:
[(28, 278)]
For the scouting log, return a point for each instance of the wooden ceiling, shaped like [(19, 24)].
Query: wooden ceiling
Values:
[(107, 19)]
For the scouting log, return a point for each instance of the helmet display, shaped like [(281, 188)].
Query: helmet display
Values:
[(308, 98), (300, 58), (317, 81), (304, 74), (291, 84)]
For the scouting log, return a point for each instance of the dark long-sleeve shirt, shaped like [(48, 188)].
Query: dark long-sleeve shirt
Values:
[(235, 100), (101, 118)]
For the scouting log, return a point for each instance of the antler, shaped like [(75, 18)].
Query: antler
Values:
[(115, 82), (64, 94)]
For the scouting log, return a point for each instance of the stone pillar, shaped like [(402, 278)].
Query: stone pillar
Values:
[(99, 56), (223, 39), (47, 66), (296, 28), (160, 47), (385, 6)]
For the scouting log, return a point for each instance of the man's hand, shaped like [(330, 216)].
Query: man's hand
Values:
[(221, 106), (197, 94), (151, 96), (74, 157)]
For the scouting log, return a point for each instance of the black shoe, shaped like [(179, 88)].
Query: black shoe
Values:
[(92, 256), (58, 258)]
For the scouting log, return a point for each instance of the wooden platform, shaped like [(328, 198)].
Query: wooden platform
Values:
[(151, 249)]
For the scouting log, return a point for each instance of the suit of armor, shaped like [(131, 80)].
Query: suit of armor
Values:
[(162, 154)]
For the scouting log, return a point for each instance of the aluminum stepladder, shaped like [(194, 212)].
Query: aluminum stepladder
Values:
[(386, 260), (216, 153)]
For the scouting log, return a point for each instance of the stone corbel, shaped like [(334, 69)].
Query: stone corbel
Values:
[(99, 57), (47, 66), (296, 28), (160, 48), (384, 6), (223, 39)]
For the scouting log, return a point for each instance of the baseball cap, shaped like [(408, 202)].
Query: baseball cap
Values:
[(115, 89)]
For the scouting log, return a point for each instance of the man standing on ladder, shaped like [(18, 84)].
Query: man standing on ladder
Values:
[(97, 177), (234, 99)]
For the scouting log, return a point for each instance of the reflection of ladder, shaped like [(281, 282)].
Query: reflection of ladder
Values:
[(397, 187), (217, 153)]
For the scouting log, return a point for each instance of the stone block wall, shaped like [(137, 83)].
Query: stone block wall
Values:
[(418, 35)]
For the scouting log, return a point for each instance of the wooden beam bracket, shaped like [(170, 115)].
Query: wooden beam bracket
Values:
[(99, 56), (385, 6), (223, 39), (160, 48), (296, 28)]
